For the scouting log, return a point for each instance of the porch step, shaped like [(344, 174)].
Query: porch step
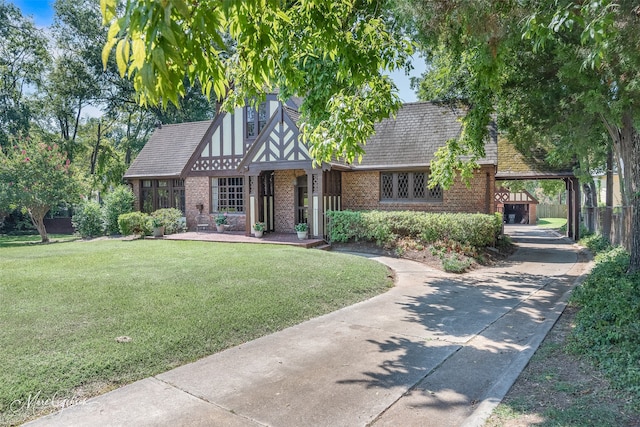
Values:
[(311, 243)]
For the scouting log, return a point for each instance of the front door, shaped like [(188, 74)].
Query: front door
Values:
[(302, 199), (265, 199)]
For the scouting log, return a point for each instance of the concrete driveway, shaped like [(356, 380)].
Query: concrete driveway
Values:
[(436, 350)]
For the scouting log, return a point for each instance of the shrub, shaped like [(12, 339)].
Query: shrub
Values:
[(116, 203), (171, 220), (456, 263), (385, 228), (608, 325), (596, 243), (345, 226), (87, 219), (133, 223)]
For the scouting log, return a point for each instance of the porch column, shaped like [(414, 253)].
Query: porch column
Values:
[(310, 202), (318, 203), (252, 205)]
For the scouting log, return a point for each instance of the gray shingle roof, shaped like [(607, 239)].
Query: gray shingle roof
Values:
[(168, 150), (413, 137), (294, 114), (410, 139)]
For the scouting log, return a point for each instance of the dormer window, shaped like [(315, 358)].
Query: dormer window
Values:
[(256, 121)]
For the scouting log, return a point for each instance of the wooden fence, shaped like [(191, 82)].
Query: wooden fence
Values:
[(551, 211), (620, 223)]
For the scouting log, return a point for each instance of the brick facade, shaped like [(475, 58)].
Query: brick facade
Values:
[(198, 190), (284, 200), (361, 191)]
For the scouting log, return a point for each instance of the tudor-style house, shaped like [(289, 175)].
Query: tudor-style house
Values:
[(252, 166)]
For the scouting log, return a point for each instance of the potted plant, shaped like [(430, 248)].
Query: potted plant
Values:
[(221, 222), (258, 229), (302, 229), (158, 226)]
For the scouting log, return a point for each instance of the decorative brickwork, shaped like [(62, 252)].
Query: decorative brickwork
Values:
[(361, 191), (284, 200)]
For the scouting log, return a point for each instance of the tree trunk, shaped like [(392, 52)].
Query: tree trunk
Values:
[(37, 218), (590, 204), (621, 154), (608, 212), (630, 149), (96, 149)]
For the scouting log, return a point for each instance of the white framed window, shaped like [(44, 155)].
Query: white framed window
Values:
[(227, 194)]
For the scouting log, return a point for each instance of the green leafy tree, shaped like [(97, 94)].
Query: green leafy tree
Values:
[(102, 147), (334, 53), (70, 87), (119, 201), (562, 78), (6, 204), (23, 59), (38, 176), (607, 47)]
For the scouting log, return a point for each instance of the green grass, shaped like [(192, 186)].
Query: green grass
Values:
[(552, 222), (63, 306), (13, 241)]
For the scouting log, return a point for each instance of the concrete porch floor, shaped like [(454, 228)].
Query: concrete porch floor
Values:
[(290, 239)]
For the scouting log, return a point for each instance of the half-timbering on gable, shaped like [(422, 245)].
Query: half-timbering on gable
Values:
[(252, 166)]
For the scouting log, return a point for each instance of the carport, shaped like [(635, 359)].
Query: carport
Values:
[(514, 166)]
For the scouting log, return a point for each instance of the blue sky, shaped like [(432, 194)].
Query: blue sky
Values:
[(42, 13), (40, 10)]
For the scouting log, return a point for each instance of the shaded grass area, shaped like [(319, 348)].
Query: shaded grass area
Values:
[(65, 305), (7, 241), (552, 222)]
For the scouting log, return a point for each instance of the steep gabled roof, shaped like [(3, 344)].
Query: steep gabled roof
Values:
[(168, 150), (412, 138), (409, 140), (277, 144)]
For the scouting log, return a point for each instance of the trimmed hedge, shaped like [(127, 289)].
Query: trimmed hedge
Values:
[(385, 228)]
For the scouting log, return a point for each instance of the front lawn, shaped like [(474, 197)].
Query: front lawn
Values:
[(80, 318)]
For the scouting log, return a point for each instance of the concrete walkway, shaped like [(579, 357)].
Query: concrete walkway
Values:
[(436, 350)]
